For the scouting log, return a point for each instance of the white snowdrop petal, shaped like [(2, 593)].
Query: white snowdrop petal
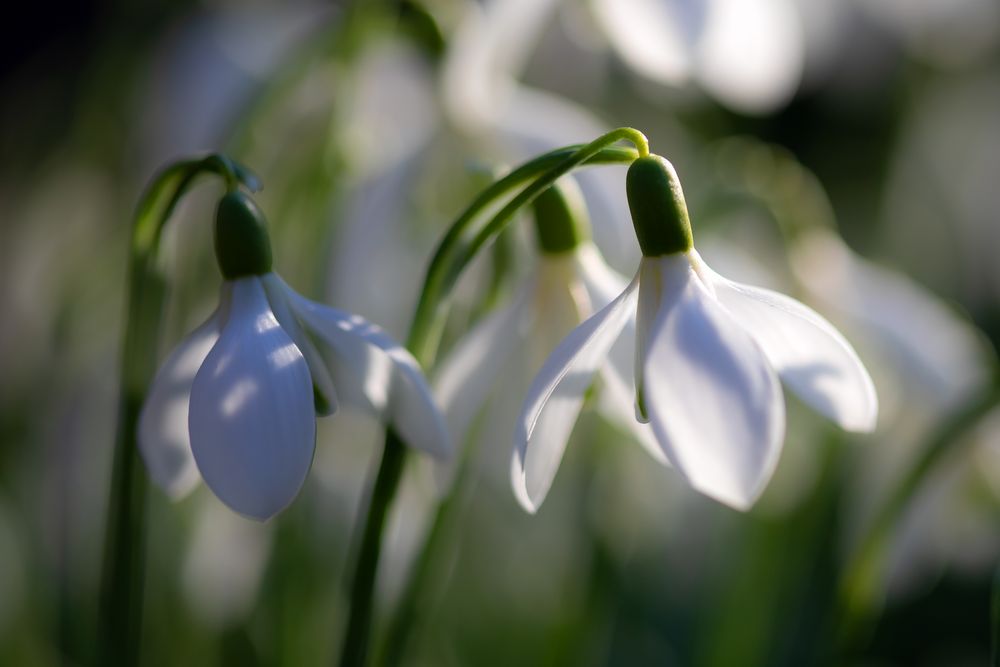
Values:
[(751, 54), (810, 355), (934, 350), (603, 284), (322, 382), (252, 421), (163, 422), (714, 402), (391, 380), (556, 396), (645, 317)]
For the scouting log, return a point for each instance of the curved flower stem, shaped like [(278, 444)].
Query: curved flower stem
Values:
[(861, 574), (460, 244), (120, 601)]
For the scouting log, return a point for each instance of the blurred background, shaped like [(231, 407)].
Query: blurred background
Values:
[(844, 152)]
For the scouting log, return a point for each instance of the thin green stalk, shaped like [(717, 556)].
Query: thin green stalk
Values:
[(120, 601), (862, 574), (446, 516), (453, 254)]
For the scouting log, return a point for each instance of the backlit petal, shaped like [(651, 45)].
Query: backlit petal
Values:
[(556, 397), (252, 421), (810, 355), (163, 423), (714, 402), (646, 311), (390, 380), (325, 393)]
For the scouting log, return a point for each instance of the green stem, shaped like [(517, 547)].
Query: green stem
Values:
[(459, 245), (120, 601), (446, 518), (859, 582)]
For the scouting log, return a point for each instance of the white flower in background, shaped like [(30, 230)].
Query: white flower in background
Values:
[(395, 201), (236, 401), (933, 353), (748, 55), (500, 355), (708, 356)]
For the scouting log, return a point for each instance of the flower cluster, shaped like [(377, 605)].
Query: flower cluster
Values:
[(689, 363)]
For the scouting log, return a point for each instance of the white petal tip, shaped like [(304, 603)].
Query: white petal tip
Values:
[(519, 484), (525, 501), (737, 501), (180, 490), (867, 425)]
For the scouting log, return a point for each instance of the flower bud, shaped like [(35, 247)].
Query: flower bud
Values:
[(561, 220), (242, 246), (659, 212)]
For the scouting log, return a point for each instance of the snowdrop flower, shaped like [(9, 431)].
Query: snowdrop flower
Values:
[(236, 401), (708, 355), (748, 55), (500, 355)]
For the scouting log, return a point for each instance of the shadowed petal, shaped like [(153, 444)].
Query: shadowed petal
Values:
[(163, 423), (325, 395), (556, 396), (938, 354), (650, 295), (252, 421), (391, 381), (713, 400), (810, 355)]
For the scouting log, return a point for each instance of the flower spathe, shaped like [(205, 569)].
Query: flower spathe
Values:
[(709, 353), (237, 400)]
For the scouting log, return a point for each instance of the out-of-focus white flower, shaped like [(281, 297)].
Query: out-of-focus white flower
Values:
[(708, 355), (205, 70), (929, 347), (388, 211), (748, 55), (499, 356), (237, 399)]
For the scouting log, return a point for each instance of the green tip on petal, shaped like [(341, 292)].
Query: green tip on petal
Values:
[(561, 219), (659, 213), (242, 245)]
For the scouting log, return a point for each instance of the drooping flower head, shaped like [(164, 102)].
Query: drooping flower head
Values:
[(497, 359), (237, 400), (708, 356)]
